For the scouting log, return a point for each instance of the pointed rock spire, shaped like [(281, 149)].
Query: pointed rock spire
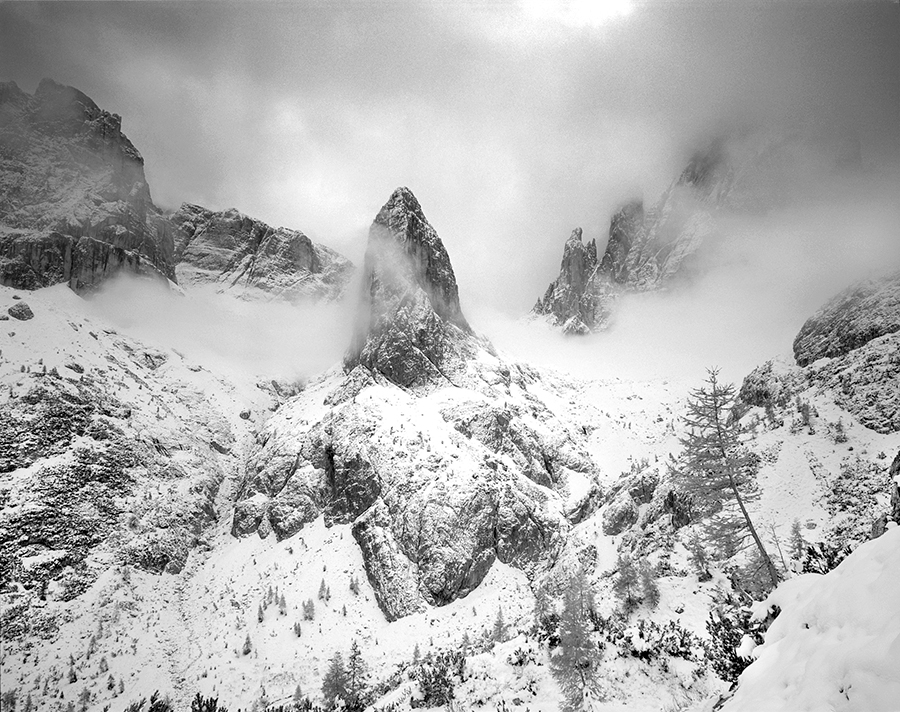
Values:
[(409, 322)]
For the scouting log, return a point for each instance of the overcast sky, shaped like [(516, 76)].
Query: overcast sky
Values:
[(511, 122)]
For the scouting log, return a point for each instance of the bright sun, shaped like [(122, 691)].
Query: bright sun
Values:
[(577, 13)]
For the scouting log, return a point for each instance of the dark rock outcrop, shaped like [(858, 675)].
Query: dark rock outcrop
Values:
[(410, 327), (20, 311), (850, 320), (573, 300), (74, 205), (251, 259)]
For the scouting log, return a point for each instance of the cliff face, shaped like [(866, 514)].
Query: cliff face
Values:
[(850, 320), (850, 349), (75, 207), (247, 257), (74, 204), (410, 327)]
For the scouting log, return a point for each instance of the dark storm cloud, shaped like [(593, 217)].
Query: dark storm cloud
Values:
[(510, 129)]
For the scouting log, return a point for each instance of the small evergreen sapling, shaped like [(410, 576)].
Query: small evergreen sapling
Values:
[(498, 634), (576, 660), (627, 584), (357, 680)]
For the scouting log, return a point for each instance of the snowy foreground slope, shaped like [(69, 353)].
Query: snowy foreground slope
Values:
[(171, 523), (836, 643)]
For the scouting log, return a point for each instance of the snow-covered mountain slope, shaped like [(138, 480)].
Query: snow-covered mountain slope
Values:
[(252, 260), (176, 525), (439, 453)]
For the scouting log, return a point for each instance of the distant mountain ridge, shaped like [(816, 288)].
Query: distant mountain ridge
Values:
[(652, 248), (248, 258), (75, 207)]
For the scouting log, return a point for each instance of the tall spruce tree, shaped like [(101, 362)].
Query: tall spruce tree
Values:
[(713, 468), (334, 684)]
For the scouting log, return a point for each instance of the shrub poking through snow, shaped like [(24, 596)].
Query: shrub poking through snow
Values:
[(727, 626), (436, 675)]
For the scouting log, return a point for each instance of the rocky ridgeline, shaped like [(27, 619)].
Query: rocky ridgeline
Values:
[(249, 258), (850, 320), (75, 207), (851, 348), (74, 203), (650, 249), (439, 481)]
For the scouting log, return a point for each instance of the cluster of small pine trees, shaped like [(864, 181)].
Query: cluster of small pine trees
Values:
[(346, 685)]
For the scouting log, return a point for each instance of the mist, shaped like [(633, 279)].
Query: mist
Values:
[(267, 339), (761, 277)]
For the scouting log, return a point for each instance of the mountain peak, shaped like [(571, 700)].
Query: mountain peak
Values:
[(410, 317)]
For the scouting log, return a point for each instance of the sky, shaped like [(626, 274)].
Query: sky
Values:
[(512, 122)]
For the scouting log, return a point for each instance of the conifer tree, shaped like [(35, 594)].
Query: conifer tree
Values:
[(334, 684), (627, 585), (649, 589), (499, 632), (798, 543), (416, 654), (357, 680), (698, 558), (322, 590), (577, 658), (248, 646), (713, 468)]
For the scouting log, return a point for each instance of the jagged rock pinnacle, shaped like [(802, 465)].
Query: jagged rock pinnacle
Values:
[(410, 322)]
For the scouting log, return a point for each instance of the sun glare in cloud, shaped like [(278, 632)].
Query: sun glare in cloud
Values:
[(577, 13)]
